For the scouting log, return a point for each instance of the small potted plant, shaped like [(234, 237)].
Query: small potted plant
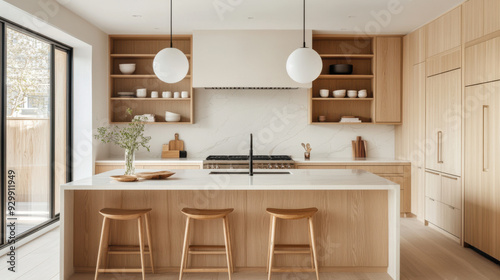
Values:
[(130, 138)]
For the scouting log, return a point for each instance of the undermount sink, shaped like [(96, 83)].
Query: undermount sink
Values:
[(246, 173)]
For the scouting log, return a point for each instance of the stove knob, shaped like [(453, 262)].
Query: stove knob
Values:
[(282, 166), (231, 166), (276, 166), (288, 166), (216, 166), (269, 166)]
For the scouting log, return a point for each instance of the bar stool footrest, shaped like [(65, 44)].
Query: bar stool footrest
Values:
[(207, 250), (126, 250), (117, 270), (205, 269), (292, 269), (284, 249)]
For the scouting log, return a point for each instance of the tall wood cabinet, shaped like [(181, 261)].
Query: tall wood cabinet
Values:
[(443, 123), (482, 166)]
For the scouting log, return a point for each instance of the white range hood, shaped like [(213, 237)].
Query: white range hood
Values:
[(245, 59)]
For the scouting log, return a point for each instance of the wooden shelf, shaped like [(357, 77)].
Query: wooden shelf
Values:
[(342, 123), (153, 123), (151, 99), (340, 99), (131, 55), (347, 55), (138, 76), (353, 77)]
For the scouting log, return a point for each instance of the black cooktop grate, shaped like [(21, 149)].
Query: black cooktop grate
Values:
[(243, 157)]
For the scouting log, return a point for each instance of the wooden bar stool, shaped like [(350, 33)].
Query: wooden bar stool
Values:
[(292, 214), (105, 249), (207, 214)]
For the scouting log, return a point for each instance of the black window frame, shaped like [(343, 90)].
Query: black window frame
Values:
[(4, 24)]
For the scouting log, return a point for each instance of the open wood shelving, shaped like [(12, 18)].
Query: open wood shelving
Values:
[(141, 50)]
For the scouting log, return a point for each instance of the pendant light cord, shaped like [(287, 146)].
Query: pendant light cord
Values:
[(304, 23), (170, 23)]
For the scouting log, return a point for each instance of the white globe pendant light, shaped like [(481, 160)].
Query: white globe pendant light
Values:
[(170, 64), (304, 64)]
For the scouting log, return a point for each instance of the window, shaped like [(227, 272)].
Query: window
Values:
[(35, 126)]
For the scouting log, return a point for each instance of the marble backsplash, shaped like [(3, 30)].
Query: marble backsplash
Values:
[(277, 118)]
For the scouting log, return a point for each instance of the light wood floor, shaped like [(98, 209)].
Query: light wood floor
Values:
[(425, 255)]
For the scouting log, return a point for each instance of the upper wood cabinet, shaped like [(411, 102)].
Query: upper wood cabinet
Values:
[(481, 62), (480, 17), (388, 80), (473, 17), (443, 123), (444, 33), (417, 46), (482, 166)]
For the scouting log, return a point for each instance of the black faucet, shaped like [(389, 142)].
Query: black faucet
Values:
[(250, 158)]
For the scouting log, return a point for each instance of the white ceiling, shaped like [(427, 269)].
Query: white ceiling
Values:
[(339, 16)]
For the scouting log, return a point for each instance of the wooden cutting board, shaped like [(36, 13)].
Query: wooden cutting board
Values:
[(176, 145)]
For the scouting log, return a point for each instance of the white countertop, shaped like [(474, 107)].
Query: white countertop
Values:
[(345, 179), (300, 160)]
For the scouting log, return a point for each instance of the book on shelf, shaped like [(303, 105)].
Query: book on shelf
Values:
[(350, 119)]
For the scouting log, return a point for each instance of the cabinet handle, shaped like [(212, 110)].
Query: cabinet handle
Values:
[(440, 147), (486, 137), (452, 178), (431, 199), (453, 208)]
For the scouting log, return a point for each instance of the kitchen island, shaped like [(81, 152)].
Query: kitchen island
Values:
[(357, 226)]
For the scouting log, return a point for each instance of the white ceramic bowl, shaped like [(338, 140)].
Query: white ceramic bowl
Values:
[(363, 93), (142, 93), (172, 117), (324, 93), (340, 93), (352, 93), (127, 68)]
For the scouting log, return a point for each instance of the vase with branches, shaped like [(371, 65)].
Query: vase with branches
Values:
[(131, 138)]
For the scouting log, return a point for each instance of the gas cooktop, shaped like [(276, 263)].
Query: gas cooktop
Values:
[(244, 157)]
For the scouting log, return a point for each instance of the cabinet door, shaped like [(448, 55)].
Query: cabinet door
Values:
[(450, 219), (433, 185), (388, 84), (473, 21), (482, 163), (104, 168), (444, 33), (481, 62), (491, 18), (443, 122), (431, 210), (451, 191)]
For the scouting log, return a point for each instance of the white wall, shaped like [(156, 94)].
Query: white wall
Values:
[(90, 46), (278, 119)]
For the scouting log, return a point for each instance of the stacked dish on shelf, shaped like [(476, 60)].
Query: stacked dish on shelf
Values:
[(341, 93)]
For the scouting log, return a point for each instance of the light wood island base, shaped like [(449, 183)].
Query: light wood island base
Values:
[(356, 230)]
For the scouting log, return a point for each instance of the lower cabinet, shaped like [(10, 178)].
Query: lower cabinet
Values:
[(443, 202), (397, 173)]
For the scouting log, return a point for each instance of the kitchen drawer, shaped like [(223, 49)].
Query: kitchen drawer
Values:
[(451, 191), (431, 210), (379, 169), (173, 166), (450, 219), (433, 185), (322, 166)]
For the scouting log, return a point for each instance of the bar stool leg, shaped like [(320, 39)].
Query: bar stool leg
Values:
[(313, 245), (269, 243), (229, 242), (102, 244), (185, 248), (141, 246), (271, 250), (148, 235), (226, 241), (310, 246)]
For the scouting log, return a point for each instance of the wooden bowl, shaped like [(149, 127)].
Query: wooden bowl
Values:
[(158, 175), (124, 178)]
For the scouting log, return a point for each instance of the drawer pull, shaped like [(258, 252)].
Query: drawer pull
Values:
[(486, 136), (440, 147), (448, 177), (431, 199), (453, 208)]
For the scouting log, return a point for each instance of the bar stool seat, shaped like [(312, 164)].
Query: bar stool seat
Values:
[(141, 215), (188, 249), (292, 214), (206, 214), (124, 214)]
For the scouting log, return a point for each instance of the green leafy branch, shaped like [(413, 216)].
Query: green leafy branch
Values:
[(130, 137)]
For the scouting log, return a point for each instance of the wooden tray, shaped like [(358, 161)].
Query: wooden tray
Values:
[(124, 178), (159, 175)]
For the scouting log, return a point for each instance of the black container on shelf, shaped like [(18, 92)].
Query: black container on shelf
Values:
[(341, 69)]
